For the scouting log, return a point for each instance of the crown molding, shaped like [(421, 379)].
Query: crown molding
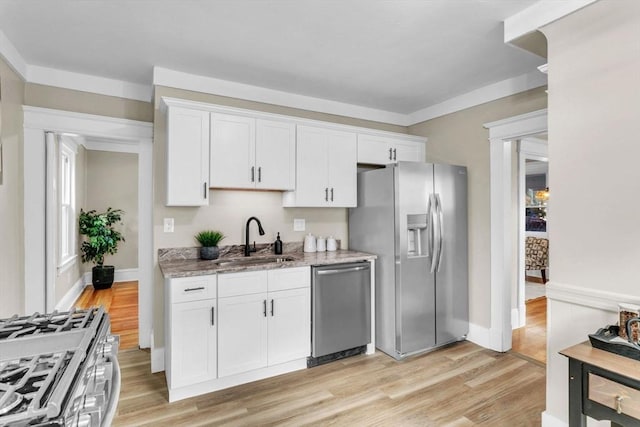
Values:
[(11, 55), (89, 83), (479, 96), (538, 15), (198, 83)]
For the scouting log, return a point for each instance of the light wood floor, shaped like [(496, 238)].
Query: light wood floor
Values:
[(121, 302), (462, 385), (531, 340)]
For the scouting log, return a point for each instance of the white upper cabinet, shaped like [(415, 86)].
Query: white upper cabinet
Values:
[(251, 153), (326, 167), (187, 157), (383, 149)]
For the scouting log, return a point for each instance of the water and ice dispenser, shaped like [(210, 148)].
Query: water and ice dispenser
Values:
[(417, 235)]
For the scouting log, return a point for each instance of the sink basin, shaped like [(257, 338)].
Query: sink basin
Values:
[(232, 262)]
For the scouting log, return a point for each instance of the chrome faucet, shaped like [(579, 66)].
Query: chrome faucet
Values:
[(247, 248)]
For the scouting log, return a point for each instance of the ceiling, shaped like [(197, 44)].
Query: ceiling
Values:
[(398, 56)]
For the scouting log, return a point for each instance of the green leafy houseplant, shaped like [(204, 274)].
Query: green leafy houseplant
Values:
[(101, 239), (209, 240)]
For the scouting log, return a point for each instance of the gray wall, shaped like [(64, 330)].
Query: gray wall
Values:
[(11, 191)]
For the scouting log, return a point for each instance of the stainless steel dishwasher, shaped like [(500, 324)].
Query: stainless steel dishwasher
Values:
[(341, 311)]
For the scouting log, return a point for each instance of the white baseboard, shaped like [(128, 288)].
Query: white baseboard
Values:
[(157, 359), (551, 421), (518, 318), (123, 275), (67, 301), (479, 335)]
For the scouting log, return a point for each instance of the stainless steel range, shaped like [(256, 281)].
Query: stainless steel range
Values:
[(58, 369)]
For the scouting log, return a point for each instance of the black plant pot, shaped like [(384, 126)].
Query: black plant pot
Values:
[(102, 277), (209, 252)]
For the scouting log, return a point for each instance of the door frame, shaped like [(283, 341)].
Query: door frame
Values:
[(103, 133), (502, 135)]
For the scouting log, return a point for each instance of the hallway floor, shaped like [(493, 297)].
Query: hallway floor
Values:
[(531, 340)]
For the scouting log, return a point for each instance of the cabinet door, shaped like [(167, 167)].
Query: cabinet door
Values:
[(193, 342), (343, 169), (242, 334), (275, 155), (187, 157), (232, 151), (408, 151), (289, 325), (374, 150), (312, 186)]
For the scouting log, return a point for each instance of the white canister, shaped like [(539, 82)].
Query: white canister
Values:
[(321, 244), (309, 243), (332, 245)]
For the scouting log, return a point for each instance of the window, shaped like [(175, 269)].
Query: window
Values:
[(67, 205)]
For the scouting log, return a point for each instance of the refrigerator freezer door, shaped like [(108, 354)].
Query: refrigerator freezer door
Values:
[(451, 292), (415, 304)]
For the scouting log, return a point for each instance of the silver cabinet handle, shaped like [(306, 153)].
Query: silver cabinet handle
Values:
[(341, 270), (205, 189), (260, 174), (326, 194), (264, 305), (253, 174), (394, 154), (272, 310), (332, 194), (390, 151), (213, 316), (199, 288)]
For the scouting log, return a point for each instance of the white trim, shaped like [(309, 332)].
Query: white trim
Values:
[(517, 320), (157, 359), (479, 96), (67, 263), (11, 55), (89, 83), (223, 109), (121, 275), (193, 82), (479, 335), (544, 68), (551, 421), (502, 133), (72, 295), (36, 122), (592, 298), (538, 15)]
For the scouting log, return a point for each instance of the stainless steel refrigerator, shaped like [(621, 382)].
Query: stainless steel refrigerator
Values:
[(414, 217)]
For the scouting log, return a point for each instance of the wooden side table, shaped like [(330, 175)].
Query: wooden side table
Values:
[(602, 385)]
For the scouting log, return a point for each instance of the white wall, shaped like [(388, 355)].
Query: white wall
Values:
[(594, 93)]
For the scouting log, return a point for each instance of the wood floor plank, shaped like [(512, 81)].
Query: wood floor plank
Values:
[(460, 386), (531, 339)]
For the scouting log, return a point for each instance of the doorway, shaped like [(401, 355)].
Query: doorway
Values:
[(93, 133)]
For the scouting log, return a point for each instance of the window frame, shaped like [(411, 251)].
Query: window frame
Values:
[(66, 205)]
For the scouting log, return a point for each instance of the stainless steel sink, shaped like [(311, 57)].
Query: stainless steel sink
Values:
[(231, 262)]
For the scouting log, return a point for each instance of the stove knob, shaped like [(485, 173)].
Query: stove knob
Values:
[(93, 401), (110, 346), (85, 420), (101, 372)]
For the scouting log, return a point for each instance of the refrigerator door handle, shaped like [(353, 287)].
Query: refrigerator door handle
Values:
[(441, 229), (433, 240), (429, 248)]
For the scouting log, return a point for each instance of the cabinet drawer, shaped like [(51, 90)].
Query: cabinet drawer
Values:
[(614, 395), (192, 288), (289, 278), (245, 283)]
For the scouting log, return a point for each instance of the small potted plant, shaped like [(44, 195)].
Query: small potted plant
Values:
[(209, 240), (102, 239)]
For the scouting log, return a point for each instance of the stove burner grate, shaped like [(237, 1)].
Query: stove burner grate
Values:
[(18, 327)]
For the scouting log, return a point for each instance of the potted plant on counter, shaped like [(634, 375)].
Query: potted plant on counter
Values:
[(209, 240), (101, 239)]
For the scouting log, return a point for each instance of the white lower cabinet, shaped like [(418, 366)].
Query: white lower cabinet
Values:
[(191, 331), (243, 334), (234, 328), (263, 329)]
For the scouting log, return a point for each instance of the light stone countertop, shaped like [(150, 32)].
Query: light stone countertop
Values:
[(183, 262)]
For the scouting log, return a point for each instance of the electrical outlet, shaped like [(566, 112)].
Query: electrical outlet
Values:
[(299, 224), (168, 225)]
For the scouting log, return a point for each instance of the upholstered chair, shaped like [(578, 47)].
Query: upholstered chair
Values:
[(537, 255)]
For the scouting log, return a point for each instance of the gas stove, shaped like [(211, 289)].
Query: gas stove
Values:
[(58, 369)]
